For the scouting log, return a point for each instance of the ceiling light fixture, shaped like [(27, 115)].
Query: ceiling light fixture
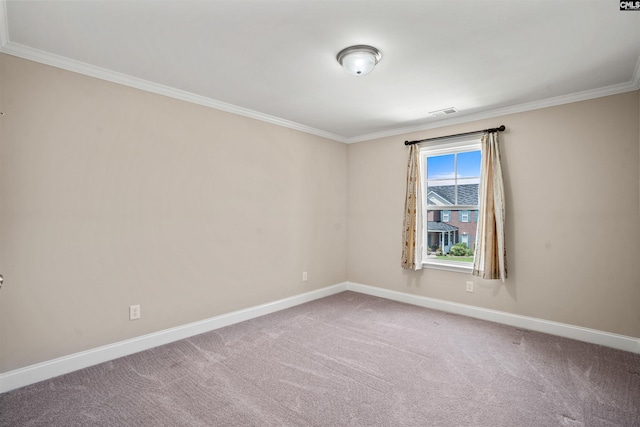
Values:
[(359, 60)]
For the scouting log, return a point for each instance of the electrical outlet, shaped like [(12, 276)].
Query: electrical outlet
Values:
[(469, 286), (134, 312), (304, 276)]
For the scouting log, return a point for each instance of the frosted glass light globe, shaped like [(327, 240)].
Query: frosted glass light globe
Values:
[(359, 60)]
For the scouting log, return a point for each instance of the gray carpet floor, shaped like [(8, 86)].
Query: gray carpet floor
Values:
[(346, 360)]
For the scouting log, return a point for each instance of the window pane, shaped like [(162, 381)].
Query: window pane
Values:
[(439, 193), (448, 239), (467, 193), (441, 167), (451, 185), (469, 164)]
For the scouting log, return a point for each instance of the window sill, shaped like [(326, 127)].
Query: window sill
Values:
[(448, 266)]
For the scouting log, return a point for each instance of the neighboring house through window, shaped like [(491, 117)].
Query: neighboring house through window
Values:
[(451, 177)]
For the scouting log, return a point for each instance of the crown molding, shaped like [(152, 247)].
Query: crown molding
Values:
[(635, 81), (630, 86), (4, 24), (25, 52), (15, 49)]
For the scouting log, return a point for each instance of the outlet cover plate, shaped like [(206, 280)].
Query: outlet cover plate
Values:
[(134, 312)]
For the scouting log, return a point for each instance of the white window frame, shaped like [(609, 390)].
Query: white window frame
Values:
[(463, 214), (449, 146)]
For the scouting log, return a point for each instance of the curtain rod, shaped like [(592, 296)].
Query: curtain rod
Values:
[(490, 130)]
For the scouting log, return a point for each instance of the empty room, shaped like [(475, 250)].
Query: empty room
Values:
[(319, 213)]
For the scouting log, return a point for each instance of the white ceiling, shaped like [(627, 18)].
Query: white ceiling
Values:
[(274, 60)]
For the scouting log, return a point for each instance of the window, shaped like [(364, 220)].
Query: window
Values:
[(451, 178)]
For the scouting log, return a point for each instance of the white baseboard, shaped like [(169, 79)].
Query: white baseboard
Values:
[(594, 336), (62, 365)]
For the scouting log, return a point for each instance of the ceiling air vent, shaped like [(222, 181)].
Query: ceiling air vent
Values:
[(443, 112)]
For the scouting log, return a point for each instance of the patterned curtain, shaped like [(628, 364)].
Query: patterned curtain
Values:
[(411, 248), (490, 255)]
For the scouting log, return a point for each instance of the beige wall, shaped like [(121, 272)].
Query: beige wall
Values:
[(573, 220), (112, 196)]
